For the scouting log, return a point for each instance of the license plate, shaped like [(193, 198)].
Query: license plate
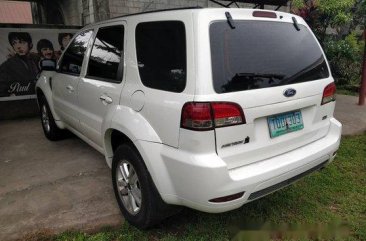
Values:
[(285, 123)]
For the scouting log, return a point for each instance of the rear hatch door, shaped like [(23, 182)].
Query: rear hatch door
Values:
[(277, 74)]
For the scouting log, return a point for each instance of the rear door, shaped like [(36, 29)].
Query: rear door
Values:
[(165, 78), (277, 74), (100, 89), (65, 82)]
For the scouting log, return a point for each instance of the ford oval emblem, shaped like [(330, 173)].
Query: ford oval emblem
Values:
[(289, 92)]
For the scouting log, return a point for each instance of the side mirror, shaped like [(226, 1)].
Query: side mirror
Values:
[(48, 65)]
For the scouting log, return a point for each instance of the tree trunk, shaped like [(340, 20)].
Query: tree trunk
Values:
[(362, 96)]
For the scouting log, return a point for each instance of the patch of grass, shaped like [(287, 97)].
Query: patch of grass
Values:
[(348, 90), (333, 196)]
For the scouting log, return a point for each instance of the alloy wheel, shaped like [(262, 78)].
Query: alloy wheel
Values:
[(128, 185), (45, 119)]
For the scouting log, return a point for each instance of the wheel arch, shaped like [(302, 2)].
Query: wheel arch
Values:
[(43, 89), (154, 165), (112, 139), (121, 125), (118, 134), (124, 125)]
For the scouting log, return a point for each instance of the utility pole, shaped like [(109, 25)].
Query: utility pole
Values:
[(361, 100)]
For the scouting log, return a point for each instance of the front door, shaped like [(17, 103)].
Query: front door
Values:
[(65, 82), (100, 89)]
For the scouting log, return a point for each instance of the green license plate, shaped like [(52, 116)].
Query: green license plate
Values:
[(285, 123)]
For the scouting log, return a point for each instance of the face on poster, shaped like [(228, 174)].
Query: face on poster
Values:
[(21, 50)]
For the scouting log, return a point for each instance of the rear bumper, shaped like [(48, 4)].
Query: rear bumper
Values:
[(188, 179)]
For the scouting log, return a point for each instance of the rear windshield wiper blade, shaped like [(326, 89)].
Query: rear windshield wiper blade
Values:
[(296, 24), (261, 75), (230, 20)]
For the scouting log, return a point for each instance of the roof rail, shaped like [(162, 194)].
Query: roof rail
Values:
[(156, 11)]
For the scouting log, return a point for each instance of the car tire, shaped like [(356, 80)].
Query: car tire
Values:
[(136, 194), (50, 129)]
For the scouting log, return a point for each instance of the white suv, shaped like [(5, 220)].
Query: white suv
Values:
[(203, 108)]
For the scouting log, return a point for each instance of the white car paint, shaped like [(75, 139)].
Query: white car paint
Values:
[(188, 167)]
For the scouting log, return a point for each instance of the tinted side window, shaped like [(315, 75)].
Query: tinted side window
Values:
[(161, 55), (72, 59), (105, 57)]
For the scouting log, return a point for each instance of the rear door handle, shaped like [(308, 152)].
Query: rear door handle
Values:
[(106, 99), (70, 88)]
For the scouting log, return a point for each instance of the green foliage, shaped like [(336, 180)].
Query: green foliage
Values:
[(334, 7), (336, 12), (355, 44), (337, 25), (322, 14), (358, 14), (298, 3), (345, 58)]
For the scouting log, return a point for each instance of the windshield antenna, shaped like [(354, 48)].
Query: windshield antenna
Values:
[(296, 24), (230, 20)]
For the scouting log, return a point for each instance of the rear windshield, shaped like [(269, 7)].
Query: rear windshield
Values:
[(258, 54)]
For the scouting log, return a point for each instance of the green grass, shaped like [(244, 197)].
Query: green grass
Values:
[(322, 200), (348, 90)]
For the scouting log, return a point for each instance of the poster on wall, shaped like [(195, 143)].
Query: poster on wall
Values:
[(21, 50)]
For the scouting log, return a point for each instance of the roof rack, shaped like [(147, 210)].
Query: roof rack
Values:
[(258, 3), (157, 11)]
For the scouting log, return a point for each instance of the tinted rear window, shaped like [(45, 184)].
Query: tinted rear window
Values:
[(161, 55), (259, 54), (105, 58)]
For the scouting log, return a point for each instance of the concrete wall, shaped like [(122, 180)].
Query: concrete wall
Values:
[(123, 7), (94, 11), (72, 11)]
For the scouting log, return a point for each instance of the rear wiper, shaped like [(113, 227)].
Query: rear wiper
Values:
[(254, 75), (230, 20), (296, 24)]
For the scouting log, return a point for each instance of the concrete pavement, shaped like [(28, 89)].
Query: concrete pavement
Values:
[(58, 186), (351, 115), (51, 185)]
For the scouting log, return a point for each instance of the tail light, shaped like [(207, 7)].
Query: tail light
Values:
[(329, 93), (227, 114), (203, 116), (197, 116)]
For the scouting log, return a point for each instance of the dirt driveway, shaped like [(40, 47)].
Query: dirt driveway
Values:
[(53, 186)]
